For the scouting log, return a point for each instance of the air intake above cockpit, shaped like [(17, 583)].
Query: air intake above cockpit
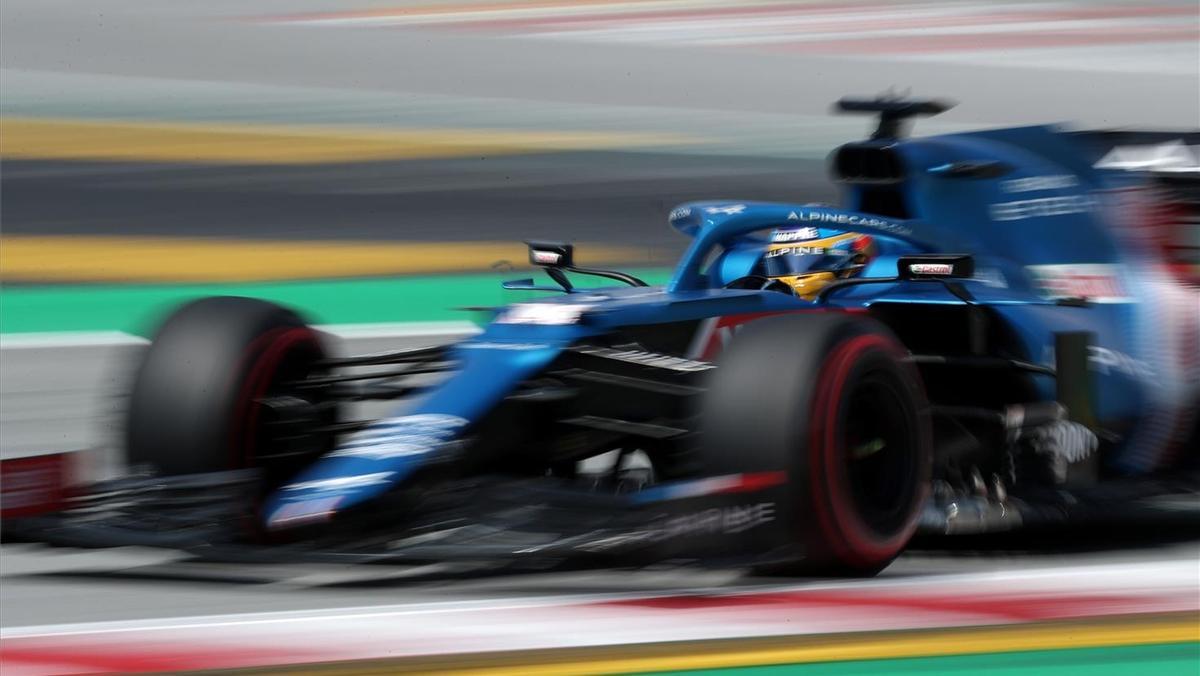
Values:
[(867, 162)]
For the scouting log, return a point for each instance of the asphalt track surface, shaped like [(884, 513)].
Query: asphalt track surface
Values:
[(40, 586), (609, 197)]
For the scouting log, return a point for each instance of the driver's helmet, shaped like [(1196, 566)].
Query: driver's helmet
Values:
[(808, 259)]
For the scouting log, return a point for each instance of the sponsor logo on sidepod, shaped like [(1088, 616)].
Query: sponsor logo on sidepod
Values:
[(406, 435), (1097, 282)]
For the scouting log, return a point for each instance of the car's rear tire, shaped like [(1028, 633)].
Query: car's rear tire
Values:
[(830, 399), (195, 405)]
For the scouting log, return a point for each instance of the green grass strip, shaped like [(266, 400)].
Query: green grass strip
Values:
[(1169, 659), (138, 309)]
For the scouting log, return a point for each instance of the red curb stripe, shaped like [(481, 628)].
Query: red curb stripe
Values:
[(1001, 607), (987, 41)]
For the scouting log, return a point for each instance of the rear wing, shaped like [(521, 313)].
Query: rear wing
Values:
[(1170, 161)]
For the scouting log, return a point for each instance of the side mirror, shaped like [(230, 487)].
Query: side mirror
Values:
[(558, 258), (551, 254), (933, 266)]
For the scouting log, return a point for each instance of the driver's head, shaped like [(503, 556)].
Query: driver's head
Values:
[(809, 259)]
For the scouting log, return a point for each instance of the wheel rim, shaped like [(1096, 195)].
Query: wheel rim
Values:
[(862, 527), (880, 460), (287, 355)]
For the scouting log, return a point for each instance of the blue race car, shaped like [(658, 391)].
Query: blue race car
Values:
[(982, 337)]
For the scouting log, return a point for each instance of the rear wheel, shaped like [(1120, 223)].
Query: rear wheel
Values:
[(198, 400), (830, 399)]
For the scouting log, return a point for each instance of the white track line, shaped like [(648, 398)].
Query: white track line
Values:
[(64, 339), (400, 329), (1175, 575), (18, 341)]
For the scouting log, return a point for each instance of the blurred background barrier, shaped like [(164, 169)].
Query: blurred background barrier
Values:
[(131, 129), (31, 258), (50, 139)]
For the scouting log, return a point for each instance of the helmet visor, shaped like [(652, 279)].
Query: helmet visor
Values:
[(800, 260)]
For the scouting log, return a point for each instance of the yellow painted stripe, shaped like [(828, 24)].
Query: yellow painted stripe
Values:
[(23, 138), (1173, 628), (149, 259)]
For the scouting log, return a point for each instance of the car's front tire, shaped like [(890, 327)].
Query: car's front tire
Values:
[(196, 403)]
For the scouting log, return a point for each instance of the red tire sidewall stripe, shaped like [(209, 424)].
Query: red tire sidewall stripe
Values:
[(263, 356), (848, 537)]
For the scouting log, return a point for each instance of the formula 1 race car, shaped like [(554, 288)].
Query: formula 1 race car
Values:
[(983, 337)]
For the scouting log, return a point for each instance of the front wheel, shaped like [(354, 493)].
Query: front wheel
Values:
[(830, 399), (200, 397)]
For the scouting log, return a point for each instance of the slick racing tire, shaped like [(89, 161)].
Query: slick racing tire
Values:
[(830, 399), (196, 403)]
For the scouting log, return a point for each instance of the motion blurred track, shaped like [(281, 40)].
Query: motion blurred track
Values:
[(609, 197), (217, 62), (56, 398), (42, 586)]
